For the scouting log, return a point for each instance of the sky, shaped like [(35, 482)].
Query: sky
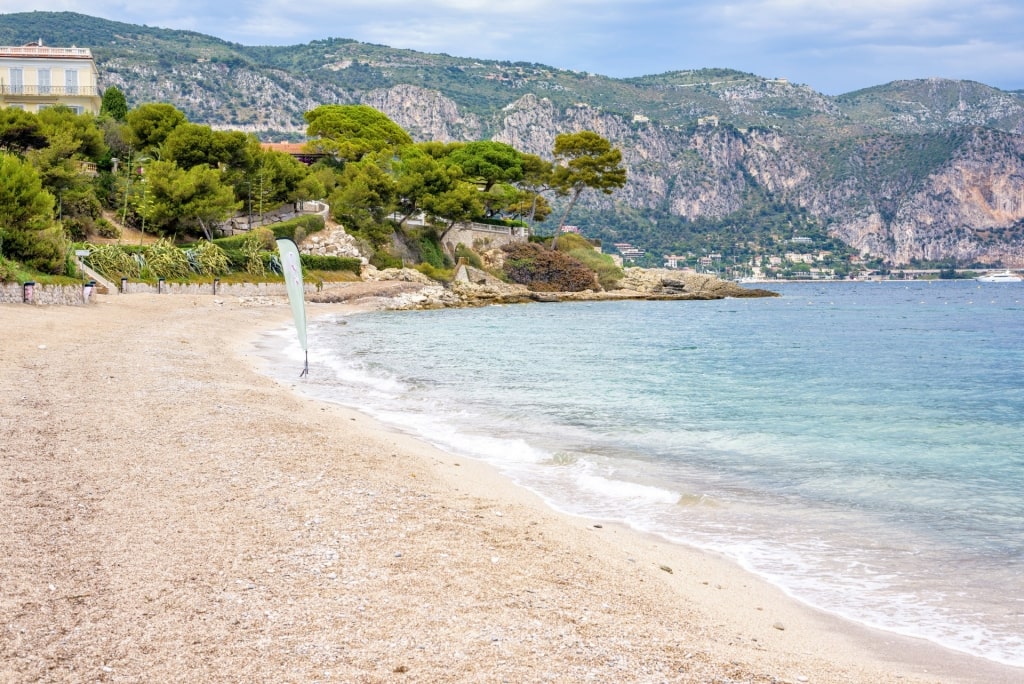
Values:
[(834, 46)]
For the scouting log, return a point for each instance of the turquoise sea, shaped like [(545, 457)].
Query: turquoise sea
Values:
[(861, 445)]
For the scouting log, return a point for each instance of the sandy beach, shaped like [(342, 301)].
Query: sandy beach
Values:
[(170, 514)]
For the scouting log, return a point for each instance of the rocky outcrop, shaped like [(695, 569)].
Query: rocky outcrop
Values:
[(665, 283), (333, 241), (404, 289), (425, 114)]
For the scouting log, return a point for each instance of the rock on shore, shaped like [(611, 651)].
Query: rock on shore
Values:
[(407, 288)]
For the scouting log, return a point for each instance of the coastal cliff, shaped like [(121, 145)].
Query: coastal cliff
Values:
[(928, 170)]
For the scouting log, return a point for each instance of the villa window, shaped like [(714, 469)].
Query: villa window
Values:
[(70, 82)]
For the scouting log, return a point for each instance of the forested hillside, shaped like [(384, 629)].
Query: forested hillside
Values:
[(719, 161)]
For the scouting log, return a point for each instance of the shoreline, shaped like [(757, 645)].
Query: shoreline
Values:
[(179, 515), (930, 656)]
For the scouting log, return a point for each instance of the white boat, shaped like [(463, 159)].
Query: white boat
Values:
[(1006, 276)]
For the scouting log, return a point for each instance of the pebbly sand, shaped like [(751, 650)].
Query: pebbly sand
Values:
[(169, 514)]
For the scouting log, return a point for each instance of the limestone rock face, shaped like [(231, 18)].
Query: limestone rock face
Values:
[(333, 241), (408, 275), (966, 208), (655, 282), (927, 169), (425, 114)]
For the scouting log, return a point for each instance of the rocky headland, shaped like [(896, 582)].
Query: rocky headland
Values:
[(407, 288)]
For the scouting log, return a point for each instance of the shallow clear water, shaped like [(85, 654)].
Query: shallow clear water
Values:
[(860, 445)]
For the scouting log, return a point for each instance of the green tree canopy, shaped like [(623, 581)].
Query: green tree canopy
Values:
[(535, 181), (190, 144), (585, 160), (20, 130), (419, 177), (177, 201), (350, 132), (27, 233), (363, 198), (82, 129), (114, 104), (150, 124), (463, 202), (489, 161)]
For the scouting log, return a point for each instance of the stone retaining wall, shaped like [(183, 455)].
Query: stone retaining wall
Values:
[(239, 225), (481, 236), (223, 289), (74, 295), (64, 295)]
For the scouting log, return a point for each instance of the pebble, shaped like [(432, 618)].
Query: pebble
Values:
[(666, 569), (779, 626)]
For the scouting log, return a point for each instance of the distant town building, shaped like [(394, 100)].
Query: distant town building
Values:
[(36, 76), (673, 260), (628, 251), (571, 229), (708, 121)]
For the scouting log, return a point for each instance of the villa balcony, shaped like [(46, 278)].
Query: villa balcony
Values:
[(48, 91)]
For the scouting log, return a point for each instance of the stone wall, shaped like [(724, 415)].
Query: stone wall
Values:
[(223, 289), (74, 295), (64, 295), (481, 236), (239, 225)]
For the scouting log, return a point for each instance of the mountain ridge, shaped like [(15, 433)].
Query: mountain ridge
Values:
[(893, 170)]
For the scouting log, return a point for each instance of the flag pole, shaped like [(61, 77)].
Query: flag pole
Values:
[(291, 264)]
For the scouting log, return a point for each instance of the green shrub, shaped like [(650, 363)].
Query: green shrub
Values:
[(296, 229), (569, 242), (429, 248), (608, 274), (41, 250), (7, 270), (236, 258), (106, 229), (230, 243), (441, 274), (543, 270), (315, 262), (471, 257), (382, 260)]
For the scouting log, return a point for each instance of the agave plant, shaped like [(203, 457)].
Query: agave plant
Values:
[(167, 261), (207, 258), (253, 248), (112, 262)]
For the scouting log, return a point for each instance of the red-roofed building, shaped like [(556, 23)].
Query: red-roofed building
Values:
[(297, 150)]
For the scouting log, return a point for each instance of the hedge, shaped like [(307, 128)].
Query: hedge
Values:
[(316, 262)]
